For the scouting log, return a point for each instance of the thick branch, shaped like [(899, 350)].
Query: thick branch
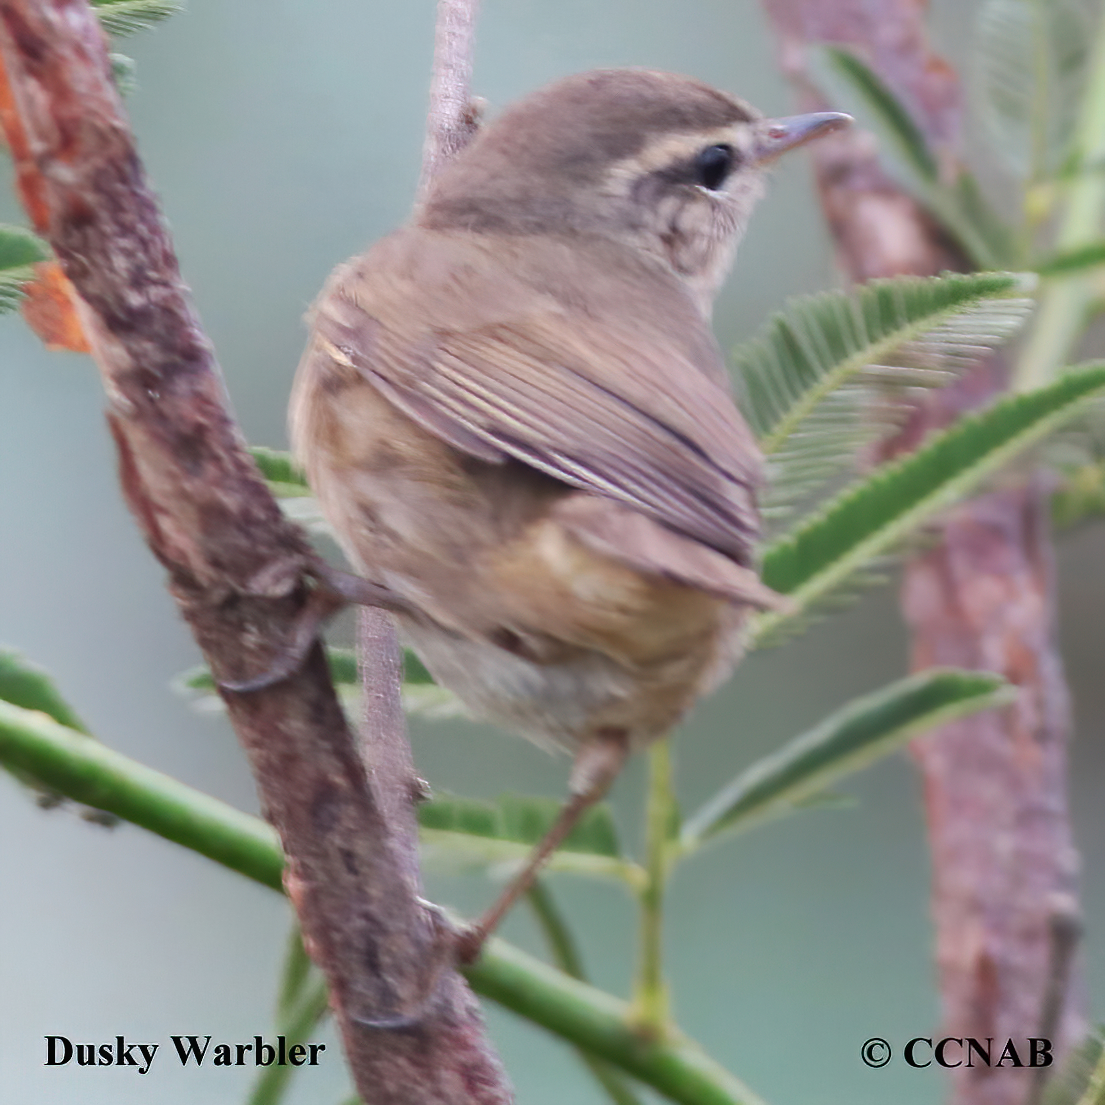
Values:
[(235, 566)]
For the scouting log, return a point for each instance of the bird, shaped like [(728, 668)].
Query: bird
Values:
[(514, 414)]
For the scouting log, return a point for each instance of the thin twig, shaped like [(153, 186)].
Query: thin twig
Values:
[(650, 997), (453, 118)]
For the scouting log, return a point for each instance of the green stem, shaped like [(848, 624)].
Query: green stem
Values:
[(297, 970), (566, 956), (1066, 300), (296, 1027), (554, 927), (650, 996), (605, 1026), (88, 772)]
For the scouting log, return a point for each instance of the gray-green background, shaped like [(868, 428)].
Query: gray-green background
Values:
[(283, 136)]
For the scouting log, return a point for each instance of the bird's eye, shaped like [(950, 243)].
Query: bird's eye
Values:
[(713, 165)]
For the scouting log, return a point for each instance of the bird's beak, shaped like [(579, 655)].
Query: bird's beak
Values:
[(776, 136)]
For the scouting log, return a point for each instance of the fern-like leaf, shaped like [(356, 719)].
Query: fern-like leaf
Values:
[(128, 17), (889, 110), (1073, 261), (874, 516), (1032, 67), (19, 250), (960, 206), (459, 834), (813, 378), (845, 742)]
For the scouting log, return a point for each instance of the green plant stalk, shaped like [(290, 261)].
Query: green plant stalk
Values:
[(874, 353), (566, 956), (791, 563), (297, 971), (86, 771), (675, 1066), (89, 772), (554, 927), (297, 1027), (650, 998), (1066, 301)]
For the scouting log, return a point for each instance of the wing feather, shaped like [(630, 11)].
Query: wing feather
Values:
[(622, 408)]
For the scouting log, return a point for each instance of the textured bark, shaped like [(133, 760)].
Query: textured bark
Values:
[(453, 117), (236, 567), (1004, 863)]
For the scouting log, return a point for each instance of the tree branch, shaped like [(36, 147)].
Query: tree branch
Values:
[(88, 771), (1004, 863), (235, 565)]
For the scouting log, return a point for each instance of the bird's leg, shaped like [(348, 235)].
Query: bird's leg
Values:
[(333, 590), (597, 764)]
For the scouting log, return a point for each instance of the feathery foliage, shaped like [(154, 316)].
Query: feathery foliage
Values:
[(813, 378), (1068, 262), (960, 206), (889, 111), (871, 518), (845, 742), (128, 17), (1030, 78), (20, 249)]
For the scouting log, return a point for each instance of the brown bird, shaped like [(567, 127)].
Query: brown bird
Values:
[(515, 416)]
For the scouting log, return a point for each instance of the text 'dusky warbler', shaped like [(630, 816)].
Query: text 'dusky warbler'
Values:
[(515, 416)]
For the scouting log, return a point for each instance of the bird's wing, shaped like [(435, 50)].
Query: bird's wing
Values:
[(600, 404)]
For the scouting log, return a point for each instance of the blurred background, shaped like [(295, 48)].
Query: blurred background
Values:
[(283, 136)]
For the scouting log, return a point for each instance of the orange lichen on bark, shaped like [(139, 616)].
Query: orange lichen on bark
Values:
[(50, 309), (27, 177)]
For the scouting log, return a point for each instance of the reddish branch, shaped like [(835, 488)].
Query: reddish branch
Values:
[(236, 567), (1003, 860)]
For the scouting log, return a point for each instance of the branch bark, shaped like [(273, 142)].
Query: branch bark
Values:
[(1004, 894), (235, 566)]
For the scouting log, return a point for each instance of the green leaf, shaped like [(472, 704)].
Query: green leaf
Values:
[(1071, 261), (1080, 1076), (1080, 497), (343, 666), (1031, 72), (128, 17), (466, 834), (813, 376), (522, 819), (871, 518), (844, 743), (19, 250), (960, 207), (894, 117), (20, 247), (422, 697), (87, 771), (29, 686), (987, 238), (280, 470), (125, 71)]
